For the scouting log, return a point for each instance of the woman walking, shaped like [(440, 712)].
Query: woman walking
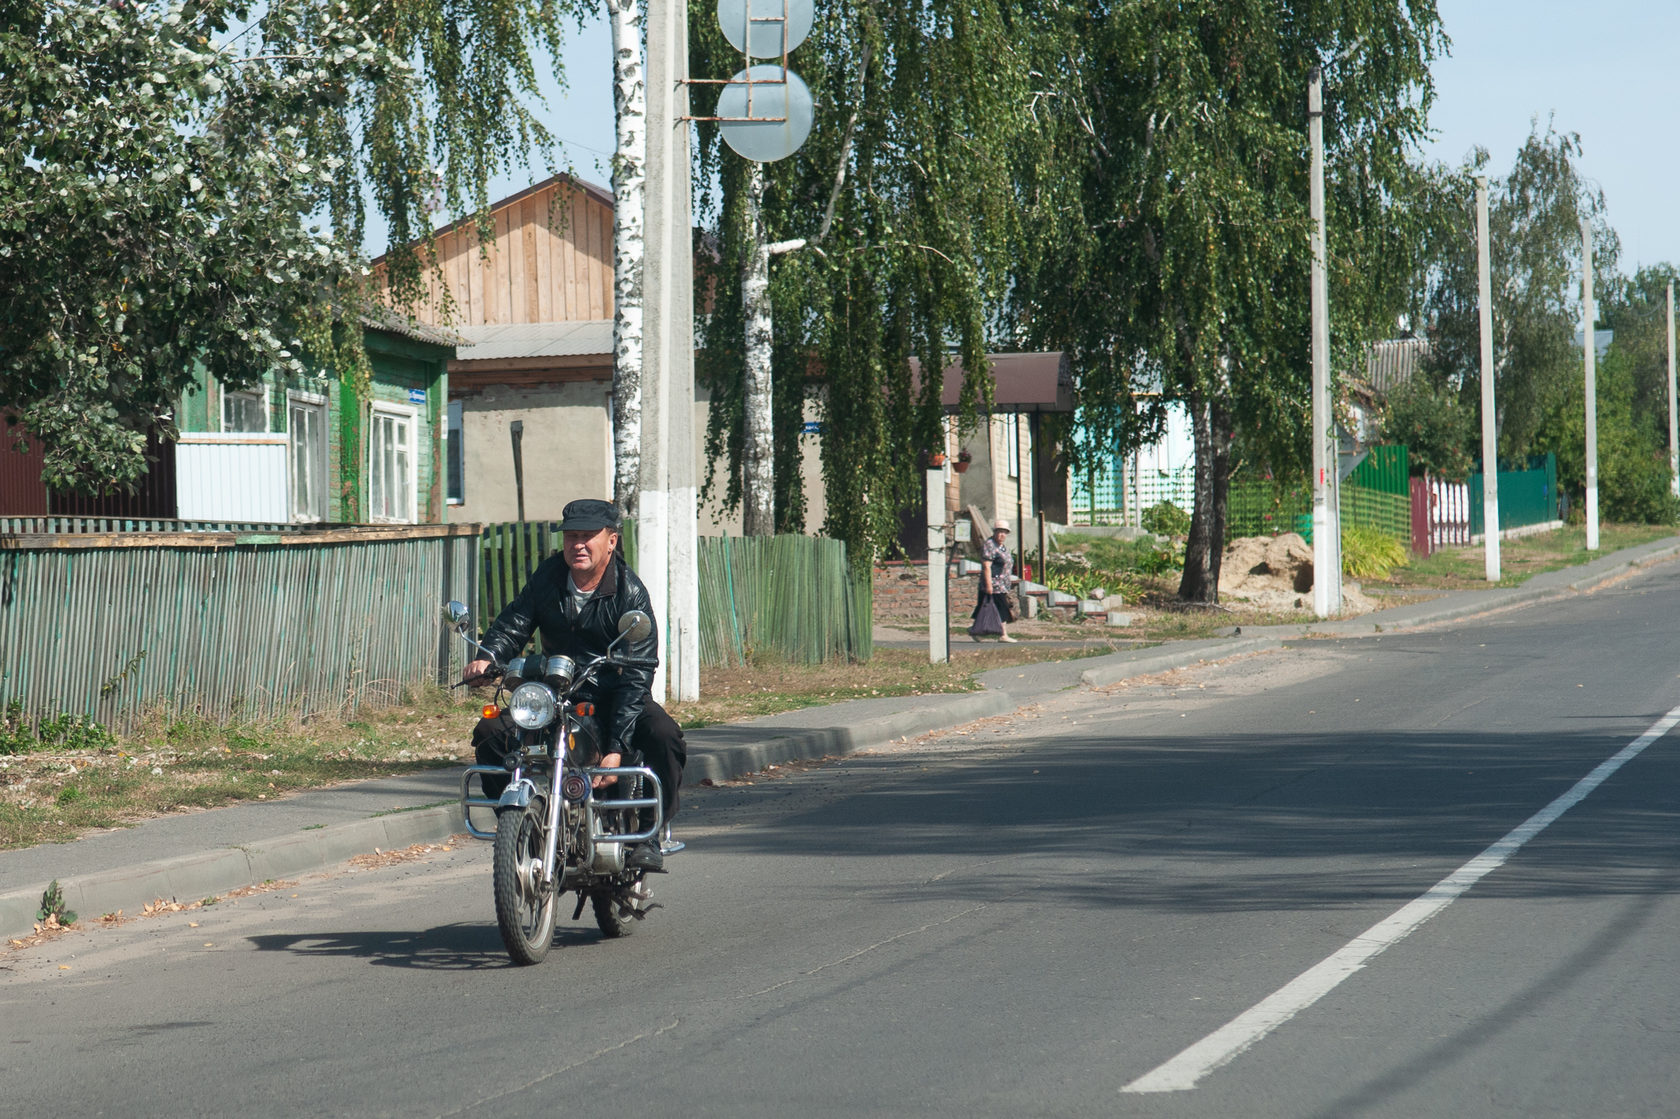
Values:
[(993, 612)]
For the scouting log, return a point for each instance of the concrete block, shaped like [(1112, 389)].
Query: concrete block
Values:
[(1057, 598), (1032, 588), (1088, 607), (1119, 618), (1029, 607)]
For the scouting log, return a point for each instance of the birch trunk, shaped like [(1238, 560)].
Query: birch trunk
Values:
[(1205, 546), (758, 445), (629, 247)]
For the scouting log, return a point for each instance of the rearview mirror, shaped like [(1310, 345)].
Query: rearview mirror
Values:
[(636, 625), (456, 614)]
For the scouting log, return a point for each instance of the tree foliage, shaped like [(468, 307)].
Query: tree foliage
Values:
[(180, 183), (1166, 195), (931, 96), (1534, 229)]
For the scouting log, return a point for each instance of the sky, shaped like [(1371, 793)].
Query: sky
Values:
[(1600, 70), (1603, 70)]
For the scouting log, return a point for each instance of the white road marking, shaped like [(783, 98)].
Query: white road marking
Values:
[(1181, 1073)]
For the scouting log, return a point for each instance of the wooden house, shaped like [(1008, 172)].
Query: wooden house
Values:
[(530, 393)]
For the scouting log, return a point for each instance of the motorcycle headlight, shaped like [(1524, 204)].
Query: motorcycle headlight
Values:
[(531, 706)]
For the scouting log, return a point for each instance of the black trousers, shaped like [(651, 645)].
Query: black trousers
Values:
[(657, 738)]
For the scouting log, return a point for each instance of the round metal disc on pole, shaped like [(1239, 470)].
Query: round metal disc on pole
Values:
[(754, 27), (765, 113)]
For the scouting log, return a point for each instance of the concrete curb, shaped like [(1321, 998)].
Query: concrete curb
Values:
[(191, 877), (722, 762)]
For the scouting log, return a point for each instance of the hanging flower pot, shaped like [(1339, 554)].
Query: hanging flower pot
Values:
[(963, 460)]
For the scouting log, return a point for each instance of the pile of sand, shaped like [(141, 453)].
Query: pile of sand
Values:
[(1276, 573)]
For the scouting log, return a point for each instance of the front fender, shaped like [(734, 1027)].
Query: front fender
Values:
[(518, 794)]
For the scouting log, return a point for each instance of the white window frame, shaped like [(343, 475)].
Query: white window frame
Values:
[(259, 395), (1012, 444), (454, 450), (411, 416), (322, 455)]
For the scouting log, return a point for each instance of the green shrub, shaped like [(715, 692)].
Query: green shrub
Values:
[(1368, 553), (1166, 519), (63, 732)]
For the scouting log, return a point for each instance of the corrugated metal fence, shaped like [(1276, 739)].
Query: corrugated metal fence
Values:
[(230, 624)]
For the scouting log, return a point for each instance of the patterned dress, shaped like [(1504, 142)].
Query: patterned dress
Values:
[(1002, 565)]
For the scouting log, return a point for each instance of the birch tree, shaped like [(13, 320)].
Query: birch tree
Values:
[(629, 180), (905, 180)]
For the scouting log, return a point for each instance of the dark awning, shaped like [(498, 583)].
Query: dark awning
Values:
[(1023, 382)]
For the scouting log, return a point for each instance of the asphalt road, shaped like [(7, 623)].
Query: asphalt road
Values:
[(1207, 883)]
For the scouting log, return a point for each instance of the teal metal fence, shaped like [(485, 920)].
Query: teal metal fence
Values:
[(227, 624), (1526, 497)]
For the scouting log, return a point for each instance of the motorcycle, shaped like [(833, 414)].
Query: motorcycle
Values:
[(555, 831)]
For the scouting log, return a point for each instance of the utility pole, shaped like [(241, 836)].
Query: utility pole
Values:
[(667, 531), (939, 610), (1327, 529), (1490, 440), (1673, 417), (1589, 353)]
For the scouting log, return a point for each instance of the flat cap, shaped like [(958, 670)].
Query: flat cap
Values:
[(590, 513)]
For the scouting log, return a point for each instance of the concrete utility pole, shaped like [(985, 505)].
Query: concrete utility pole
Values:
[(1326, 518), (667, 543), (1490, 440), (1673, 417), (939, 609), (1589, 353)]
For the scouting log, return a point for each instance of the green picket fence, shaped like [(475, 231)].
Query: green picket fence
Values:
[(789, 597)]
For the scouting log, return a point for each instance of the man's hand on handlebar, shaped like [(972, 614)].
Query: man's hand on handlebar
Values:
[(478, 673)]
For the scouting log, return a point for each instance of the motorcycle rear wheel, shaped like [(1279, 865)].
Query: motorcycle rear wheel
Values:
[(608, 919), (525, 911)]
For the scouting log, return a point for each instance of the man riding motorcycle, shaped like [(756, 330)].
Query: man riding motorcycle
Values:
[(574, 600)]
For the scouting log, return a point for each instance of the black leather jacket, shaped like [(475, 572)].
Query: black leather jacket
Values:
[(543, 606)]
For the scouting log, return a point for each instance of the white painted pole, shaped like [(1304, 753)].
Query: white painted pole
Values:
[(1673, 415), (670, 322), (1490, 439), (1327, 567), (939, 611), (1589, 353)]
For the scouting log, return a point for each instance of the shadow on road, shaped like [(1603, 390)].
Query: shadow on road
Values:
[(458, 947), (1245, 822)]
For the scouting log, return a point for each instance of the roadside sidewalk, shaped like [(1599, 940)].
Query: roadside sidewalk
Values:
[(200, 854)]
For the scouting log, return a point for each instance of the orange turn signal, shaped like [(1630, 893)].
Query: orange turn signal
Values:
[(491, 711), (586, 709)]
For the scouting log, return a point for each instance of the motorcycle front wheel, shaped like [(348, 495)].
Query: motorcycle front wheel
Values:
[(524, 908)]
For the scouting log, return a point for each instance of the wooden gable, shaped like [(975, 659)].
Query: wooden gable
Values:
[(551, 260)]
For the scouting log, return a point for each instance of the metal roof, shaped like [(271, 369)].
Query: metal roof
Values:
[(1021, 382), (582, 338), (1392, 363), (376, 316)]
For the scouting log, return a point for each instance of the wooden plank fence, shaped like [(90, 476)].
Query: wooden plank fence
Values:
[(790, 597)]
